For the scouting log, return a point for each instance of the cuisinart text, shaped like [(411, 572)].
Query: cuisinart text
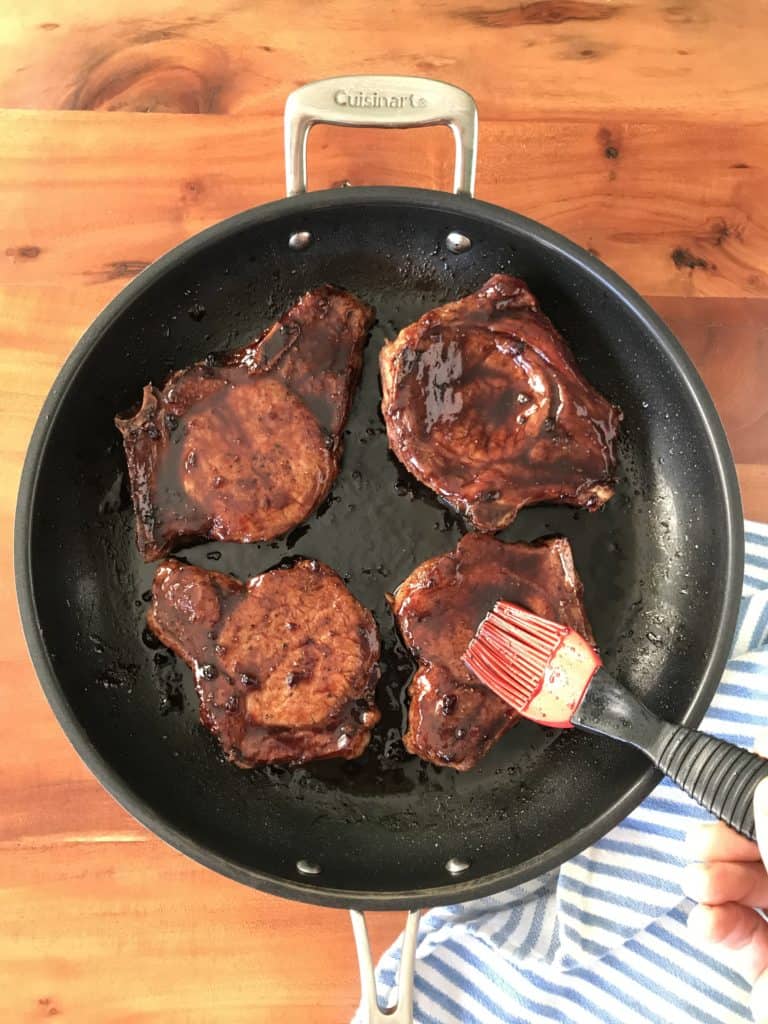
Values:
[(343, 98)]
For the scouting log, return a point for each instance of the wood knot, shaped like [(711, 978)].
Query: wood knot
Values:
[(156, 75), (580, 48), (608, 140), (552, 12), (684, 13), (719, 231), (115, 270), (23, 252), (685, 259), (192, 191), (543, 12)]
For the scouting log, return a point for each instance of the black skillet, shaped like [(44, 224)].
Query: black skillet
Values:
[(661, 565)]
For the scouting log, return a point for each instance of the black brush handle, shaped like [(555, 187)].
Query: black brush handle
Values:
[(720, 776)]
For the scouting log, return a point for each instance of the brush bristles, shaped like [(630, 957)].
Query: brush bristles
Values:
[(511, 650)]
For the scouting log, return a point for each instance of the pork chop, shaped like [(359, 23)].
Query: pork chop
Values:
[(453, 719), (484, 404), (244, 446), (285, 665)]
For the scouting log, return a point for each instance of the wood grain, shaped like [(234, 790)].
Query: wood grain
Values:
[(146, 935), (636, 129), (681, 57), (670, 211)]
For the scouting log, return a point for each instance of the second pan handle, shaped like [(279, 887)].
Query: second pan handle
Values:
[(380, 101), (402, 1011)]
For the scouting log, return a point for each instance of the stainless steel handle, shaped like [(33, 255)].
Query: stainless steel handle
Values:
[(402, 1011), (380, 101)]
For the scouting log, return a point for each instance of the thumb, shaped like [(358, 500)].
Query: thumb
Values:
[(761, 819)]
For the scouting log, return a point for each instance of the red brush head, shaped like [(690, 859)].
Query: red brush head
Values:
[(538, 667)]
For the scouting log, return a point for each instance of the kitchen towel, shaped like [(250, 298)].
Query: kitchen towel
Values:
[(604, 937)]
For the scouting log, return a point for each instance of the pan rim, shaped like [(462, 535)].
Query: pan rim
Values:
[(293, 210)]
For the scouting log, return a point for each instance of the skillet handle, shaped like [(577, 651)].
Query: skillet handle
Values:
[(402, 1011), (380, 101)]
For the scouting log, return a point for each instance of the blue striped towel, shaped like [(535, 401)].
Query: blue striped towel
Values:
[(603, 938)]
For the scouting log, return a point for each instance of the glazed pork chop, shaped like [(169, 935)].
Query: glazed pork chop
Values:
[(244, 446), (453, 719), (285, 665), (484, 404)]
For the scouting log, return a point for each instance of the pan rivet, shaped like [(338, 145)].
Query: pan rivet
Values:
[(457, 242), (456, 865), (300, 240), (307, 867)]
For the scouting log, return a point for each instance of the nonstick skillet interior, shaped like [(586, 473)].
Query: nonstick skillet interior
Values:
[(660, 564)]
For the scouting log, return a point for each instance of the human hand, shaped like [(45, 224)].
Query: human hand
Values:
[(728, 881)]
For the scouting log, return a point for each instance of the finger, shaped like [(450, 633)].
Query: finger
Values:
[(730, 925), (761, 819), (718, 842), (760, 999), (735, 929), (761, 744), (723, 882)]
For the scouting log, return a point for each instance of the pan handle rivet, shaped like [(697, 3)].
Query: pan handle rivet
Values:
[(456, 865), (457, 242), (300, 240), (307, 867)]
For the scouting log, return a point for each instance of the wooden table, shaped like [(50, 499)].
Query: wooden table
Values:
[(638, 129)]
